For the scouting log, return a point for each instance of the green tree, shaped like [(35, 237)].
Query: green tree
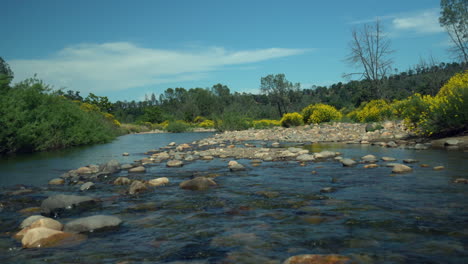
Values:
[(279, 91), (6, 74), (100, 101), (454, 18)]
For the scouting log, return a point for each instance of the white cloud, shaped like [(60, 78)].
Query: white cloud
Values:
[(426, 21), (122, 65)]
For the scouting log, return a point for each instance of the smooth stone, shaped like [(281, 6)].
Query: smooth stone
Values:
[(420, 146), (452, 142), (125, 154), (207, 157), (57, 181), (370, 166), (30, 210), (137, 187), (92, 223), (61, 201), (410, 161), (137, 169), (400, 168), (318, 259), (126, 166), (369, 158), (391, 144), (174, 163), (28, 221), (327, 190), (348, 162), (158, 181), (235, 166), (111, 166), (392, 164), (86, 186), (198, 183), (122, 181), (42, 222), (438, 168), (305, 157), (42, 237), (275, 144), (461, 180), (325, 154), (388, 159), (84, 170), (172, 144)]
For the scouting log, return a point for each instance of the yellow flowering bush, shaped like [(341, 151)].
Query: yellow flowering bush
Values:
[(319, 113), (265, 123), (372, 111), (292, 119), (207, 124)]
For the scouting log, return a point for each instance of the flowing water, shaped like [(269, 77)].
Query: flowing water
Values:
[(262, 215)]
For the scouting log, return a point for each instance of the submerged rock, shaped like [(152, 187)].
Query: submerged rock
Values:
[(305, 157), (325, 154), (318, 259), (388, 159), (197, 184), (137, 187), (137, 169), (92, 223), (410, 161), (54, 205), (461, 180), (235, 166)]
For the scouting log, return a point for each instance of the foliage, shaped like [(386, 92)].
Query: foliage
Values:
[(207, 124), (134, 128), (232, 121), (265, 123), (279, 90), (320, 113), (178, 126), (373, 111), (33, 119), (292, 119), (454, 17), (6, 75)]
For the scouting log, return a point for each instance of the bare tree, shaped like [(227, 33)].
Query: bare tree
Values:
[(370, 51), (454, 18)]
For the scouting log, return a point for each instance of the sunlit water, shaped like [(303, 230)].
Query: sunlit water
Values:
[(262, 215)]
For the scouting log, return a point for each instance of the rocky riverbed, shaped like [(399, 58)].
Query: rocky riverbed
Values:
[(114, 198)]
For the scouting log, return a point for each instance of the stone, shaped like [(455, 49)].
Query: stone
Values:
[(56, 204), (30, 210), (391, 144), (370, 166), (126, 166), (325, 154), (42, 237), (122, 181), (125, 154), (48, 223), (305, 157), (327, 190), (110, 167), (318, 259), (137, 187), (388, 159), (198, 183), (83, 170), (388, 125), (172, 144), (207, 157), (28, 221), (410, 161), (57, 181), (235, 166), (420, 146), (400, 168), (438, 168), (451, 142), (275, 145), (348, 162), (461, 180), (92, 223), (174, 163), (369, 158), (158, 181), (87, 186), (137, 169)]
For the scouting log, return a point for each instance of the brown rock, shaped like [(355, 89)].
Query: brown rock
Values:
[(158, 181), (438, 168), (57, 181), (137, 187), (400, 168), (42, 237), (461, 180), (84, 170), (137, 169), (318, 259), (198, 183), (42, 222), (122, 181), (370, 166)]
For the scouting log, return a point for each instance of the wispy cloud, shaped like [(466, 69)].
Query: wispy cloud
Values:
[(426, 22), (123, 65)]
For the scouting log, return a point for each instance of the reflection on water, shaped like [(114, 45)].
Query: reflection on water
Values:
[(272, 211)]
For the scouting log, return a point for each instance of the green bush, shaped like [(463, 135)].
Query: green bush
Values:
[(292, 119), (232, 121), (33, 119), (319, 113), (265, 123), (178, 126)]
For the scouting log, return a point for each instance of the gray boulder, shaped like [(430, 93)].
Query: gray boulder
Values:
[(110, 167), (57, 204), (137, 187), (92, 223), (235, 166), (86, 186)]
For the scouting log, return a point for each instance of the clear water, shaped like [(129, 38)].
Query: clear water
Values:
[(267, 213)]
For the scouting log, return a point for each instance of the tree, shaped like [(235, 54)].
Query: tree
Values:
[(279, 90), (370, 50), (6, 75), (100, 101), (454, 18)]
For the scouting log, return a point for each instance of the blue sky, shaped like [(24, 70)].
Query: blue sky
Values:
[(126, 49)]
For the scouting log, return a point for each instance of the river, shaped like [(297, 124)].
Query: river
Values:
[(262, 215)]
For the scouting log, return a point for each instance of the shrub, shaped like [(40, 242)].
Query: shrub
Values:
[(199, 119), (206, 124), (292, 119), (232, 121), (265, 123), (178, 126), (320, 113), (373, 111)]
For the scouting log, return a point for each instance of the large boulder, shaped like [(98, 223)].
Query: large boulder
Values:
[(42, 237), (57, 204), (318, 259), (158, 181), (28, 221), (198, 183), (92, 223), (110, 167), (235, 166), (137, 187), (41, 222)]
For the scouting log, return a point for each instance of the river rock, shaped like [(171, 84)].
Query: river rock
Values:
[(57, 181), (370, 166), (438, 168), (137, 187), (158, 181), (126, 166), (369, 158), (318, 259), (110, 167), (172, 144), (28, 221), (42, 237), (122, 181), (391, 144), (348, 162), (84, 170), (461, 180), (42, 222), (275, 145), (420, 146), (327, 190), (92, 223), (400, 168), (235, 166), (125, 154), (87, 186), (325, 154), (58, 203), (137, 169), (388, 159), (452, 142), (174, 163), (197, 184), (410, 161), (305, 157)]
